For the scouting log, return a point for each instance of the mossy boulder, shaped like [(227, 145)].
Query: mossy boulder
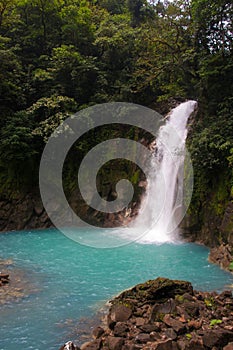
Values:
[(158, 290)]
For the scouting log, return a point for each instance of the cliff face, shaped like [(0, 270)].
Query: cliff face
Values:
[(22, 211), (210, 228)]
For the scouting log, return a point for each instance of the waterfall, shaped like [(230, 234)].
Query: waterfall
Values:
[(165, 191)]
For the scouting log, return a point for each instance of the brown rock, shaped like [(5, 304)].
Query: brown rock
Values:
[(170, 333), (178, 326), (148, 328), (120, 313), (182, 344), (195, 344), (114, 343), (191, 308), (217, 337), (143, 338), (93, 345), (97, 332), (132, 346), (228, 347), (182, 312), (194, 324), (163, 345), (160, 309), (121, 329), (140, 321)]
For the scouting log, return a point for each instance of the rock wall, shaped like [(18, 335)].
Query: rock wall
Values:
[(22, 212)]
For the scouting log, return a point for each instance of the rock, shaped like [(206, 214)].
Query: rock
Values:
[(97, 332), (114, 343), (217, 337), (143, 338), (177, 326), (182, 312), (222, 255), (228, 347), (121, 329), (170, 333), (132, 346), (194, 324), (158, 290), (148, 328), (195, 345), (120, 313), (160, 309), (140, 321), (191, 308), (163, 345), (69, 346), (93, 345)]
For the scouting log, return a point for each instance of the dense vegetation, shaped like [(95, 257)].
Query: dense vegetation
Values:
[(59, 56)]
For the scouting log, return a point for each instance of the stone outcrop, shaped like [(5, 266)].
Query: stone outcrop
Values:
[(223, 256), (166, 315), (22, 212)]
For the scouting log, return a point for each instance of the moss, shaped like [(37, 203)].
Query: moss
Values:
[(210, 302), (188, 336), (215, 322), (179, 298), (231, 266), (221, 196)]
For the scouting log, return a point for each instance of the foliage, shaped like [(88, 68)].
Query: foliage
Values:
[(215, 322), (61, 56)]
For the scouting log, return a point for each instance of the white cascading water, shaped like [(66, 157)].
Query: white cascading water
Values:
[(164, 199)]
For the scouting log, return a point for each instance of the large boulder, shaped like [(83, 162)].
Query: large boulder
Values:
[(159, 290)]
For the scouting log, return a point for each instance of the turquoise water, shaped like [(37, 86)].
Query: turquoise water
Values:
[(73, 281)]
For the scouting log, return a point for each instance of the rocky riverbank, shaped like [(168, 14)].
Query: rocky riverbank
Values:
[(165, 314), (223, 256)]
